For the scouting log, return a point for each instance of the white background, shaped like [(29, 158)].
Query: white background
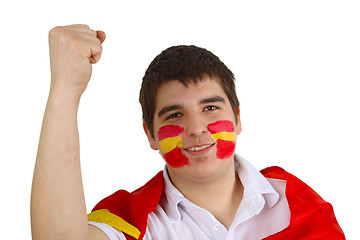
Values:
[(297, 70)]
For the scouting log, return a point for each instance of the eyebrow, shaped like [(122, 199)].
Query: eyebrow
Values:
[(174, 107), (169, 108), (212, 99)]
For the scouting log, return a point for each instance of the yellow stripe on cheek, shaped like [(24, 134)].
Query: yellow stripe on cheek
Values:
[(170, 143), (227, 136)]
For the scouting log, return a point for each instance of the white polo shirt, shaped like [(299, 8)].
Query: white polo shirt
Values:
[(262, 212)]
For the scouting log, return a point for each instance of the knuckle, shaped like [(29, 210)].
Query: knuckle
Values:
[(61, 33), (54, 31), (57, 31)]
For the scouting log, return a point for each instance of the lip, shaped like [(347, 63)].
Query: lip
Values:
[(199, 152)]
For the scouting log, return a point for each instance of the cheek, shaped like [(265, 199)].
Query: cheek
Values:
[(169, 131), (223, 134), (225, 149), (221, 126), (170, 143), (176, 159)]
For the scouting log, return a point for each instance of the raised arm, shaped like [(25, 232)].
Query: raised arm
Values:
[(58, 208)]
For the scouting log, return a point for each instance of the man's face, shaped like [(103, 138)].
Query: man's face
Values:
[(194, 128)]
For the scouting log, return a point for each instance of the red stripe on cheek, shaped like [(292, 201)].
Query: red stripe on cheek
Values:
[(169, 131), (221, 126), (225, 149), (176, 159)]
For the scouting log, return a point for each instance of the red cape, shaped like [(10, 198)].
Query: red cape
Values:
[(311, 217)]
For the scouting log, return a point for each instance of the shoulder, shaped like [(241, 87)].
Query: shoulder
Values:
[(274, 172), (280, 173), (151, 189), (128, 212), (296, 189), (308, 210)]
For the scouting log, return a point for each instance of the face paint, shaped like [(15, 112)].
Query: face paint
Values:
[(170, 144), (223, 134)]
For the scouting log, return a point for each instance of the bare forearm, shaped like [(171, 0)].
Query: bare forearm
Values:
[(57, 199), (57, 202)]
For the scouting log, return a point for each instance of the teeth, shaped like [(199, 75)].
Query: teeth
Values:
[(198, 148)]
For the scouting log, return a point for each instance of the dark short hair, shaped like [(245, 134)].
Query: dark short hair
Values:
[(187, 64)]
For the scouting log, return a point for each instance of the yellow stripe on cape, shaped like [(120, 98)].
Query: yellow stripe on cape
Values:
[(105, 216), (168, 144)]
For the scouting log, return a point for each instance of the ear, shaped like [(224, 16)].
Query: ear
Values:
[(238, 127), (151, 140)]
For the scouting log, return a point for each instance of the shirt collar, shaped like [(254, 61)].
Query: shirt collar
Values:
[(171, 199), (257, 191), (256, 186)]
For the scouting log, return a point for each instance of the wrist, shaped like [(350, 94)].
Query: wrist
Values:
[(61, 90), (64, 97)]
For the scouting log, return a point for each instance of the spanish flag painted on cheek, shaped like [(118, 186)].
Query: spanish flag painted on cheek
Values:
[(170, 144), (223, 133)]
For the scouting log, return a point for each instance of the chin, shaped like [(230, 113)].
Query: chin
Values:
[(206, 166)]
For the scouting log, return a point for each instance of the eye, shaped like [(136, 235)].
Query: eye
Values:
[(210, 108), (174, 115)]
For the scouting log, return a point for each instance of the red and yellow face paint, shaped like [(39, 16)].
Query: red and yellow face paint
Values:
[(223, 133), (170, 145), (170, 142)]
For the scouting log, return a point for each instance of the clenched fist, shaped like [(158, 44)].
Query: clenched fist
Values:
[(72, 51)]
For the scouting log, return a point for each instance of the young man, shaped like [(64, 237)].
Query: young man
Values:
[(191, 115)]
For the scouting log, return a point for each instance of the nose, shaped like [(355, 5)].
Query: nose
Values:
[(195, 126)]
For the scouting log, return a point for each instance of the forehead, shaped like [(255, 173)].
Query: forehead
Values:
[(175, 92)]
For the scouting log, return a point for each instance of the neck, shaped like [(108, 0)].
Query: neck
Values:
[(220, 196)]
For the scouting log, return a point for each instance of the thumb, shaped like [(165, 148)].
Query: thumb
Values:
[(101, 36), (95, 56)]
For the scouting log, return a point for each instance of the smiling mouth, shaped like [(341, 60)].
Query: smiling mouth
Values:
[(199, 148)]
